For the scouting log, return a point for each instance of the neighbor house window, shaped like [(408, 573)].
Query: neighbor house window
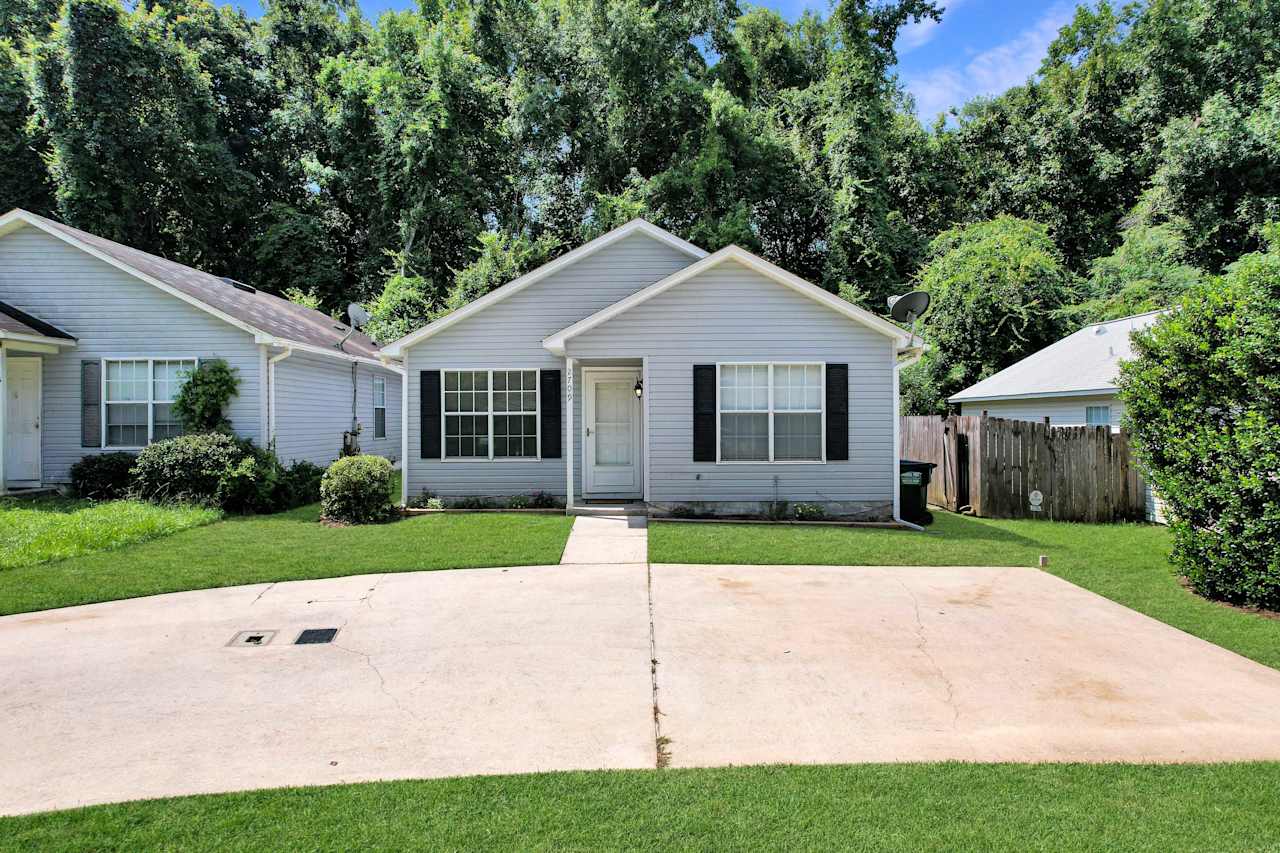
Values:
[(1097, 415), (490, 414), (379, 407), (138, 399), (771, 412)]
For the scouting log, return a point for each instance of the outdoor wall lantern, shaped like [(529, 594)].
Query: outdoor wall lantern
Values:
[(639, 389)]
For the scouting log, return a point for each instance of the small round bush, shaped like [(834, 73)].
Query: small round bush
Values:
[(1202, 400), (810, 512), (357, 490), (519, 502), (103, 476)]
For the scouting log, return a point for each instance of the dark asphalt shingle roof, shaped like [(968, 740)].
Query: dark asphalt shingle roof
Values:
[(20, 322), (265, 312)]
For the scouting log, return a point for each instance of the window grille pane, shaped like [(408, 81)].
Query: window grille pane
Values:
[(379, 392), (466, 435), (797, 437), (514, 435), (127, 381), (797, 387), (380, 423), (1097, 415), (744, 387), (744, 437), (126, 425), (168, 377), (167, 424)]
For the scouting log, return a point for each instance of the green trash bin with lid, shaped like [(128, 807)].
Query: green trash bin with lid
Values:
[(913, 490)]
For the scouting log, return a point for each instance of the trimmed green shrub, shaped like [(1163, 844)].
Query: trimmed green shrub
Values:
[(543, 500), (203, 397), (1202, 400), (216, 469), (473, 503), (519, 502), (103, 476), (357, 490)]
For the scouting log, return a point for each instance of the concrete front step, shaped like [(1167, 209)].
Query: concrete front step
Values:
[(609, 509)]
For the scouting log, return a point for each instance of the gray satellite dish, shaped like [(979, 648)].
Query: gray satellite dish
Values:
[(909, 307), (357, 315)]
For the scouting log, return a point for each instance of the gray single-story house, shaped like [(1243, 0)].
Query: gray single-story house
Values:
[(638, 368), (95, 338), (1069, 383)]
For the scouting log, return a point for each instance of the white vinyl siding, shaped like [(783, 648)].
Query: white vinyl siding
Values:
[(314, 407), (113, 315), (508, 335), (733, 314), (1061, 411)]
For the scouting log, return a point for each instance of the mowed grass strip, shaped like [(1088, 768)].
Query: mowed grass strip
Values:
[(882, 807), (1127, 563), (287, 546), (45, 529)]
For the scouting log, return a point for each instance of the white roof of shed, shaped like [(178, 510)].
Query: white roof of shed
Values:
[(1085, 362)]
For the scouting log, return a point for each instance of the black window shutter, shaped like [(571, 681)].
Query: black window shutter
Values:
[(90, 403), (704, 413), (429, 404), (552, 426), (837, 412)]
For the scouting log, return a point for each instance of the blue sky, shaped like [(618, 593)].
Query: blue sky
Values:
[(981, 47)]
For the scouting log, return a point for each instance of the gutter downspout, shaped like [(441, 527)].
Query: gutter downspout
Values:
[(897, 439), (271, 394)]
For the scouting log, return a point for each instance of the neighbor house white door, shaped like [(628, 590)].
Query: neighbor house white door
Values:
[(611, 433), (22, 422)]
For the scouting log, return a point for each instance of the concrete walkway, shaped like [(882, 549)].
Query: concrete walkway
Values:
[(562, 667), (607, 539)]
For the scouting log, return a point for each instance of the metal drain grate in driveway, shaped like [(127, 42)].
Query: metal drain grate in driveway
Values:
[(312, 636), (252, 639)]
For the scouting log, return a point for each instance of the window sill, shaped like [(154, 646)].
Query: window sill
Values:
[(777, 462), (499, 459)]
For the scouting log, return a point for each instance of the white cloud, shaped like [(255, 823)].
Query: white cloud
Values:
[(921, 32), (991, 71)]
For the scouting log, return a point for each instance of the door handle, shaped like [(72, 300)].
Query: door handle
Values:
[(588, 432)]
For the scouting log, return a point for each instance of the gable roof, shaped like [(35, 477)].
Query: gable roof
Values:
[(15, 322), (1084, 362), (271, 319), (635, 226), (556, 342)]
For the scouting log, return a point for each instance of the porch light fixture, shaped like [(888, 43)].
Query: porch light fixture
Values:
[(639, 389)]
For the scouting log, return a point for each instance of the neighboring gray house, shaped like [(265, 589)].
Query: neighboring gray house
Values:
[(1068, 383), (95, 337), (639, 368)]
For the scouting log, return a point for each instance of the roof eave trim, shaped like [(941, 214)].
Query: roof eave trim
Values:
[(271, 340), (556, 343), (396, 348), (1033, 395), (69, 343)]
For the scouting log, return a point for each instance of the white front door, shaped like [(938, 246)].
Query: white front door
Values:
[(22, 421), (611, 433)]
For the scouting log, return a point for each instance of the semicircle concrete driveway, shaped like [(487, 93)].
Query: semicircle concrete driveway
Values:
[(549, 668)]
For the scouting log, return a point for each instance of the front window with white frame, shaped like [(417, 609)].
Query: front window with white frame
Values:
[(1097, 415), (137, 399), (491, 414), (771, 412), (379, 407)]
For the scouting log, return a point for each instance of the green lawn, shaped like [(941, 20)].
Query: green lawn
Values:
[(287, 546), (896, 807), (1124, 562), (53, 528)]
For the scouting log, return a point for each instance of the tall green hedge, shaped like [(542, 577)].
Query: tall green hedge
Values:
[(1202, 399)]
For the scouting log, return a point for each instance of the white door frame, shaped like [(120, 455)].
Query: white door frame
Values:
[(590, 375), (9, 479)]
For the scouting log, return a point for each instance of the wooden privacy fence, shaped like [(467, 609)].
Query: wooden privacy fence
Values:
[(1023, 469)]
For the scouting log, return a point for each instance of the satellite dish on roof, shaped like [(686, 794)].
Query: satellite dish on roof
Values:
[(909, 307), (357, 315)]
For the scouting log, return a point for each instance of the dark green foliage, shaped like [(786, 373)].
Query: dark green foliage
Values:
[(1202, 400), (1147, 272), (997, 287), (220, 470), (102, 476), (202, 400), (472, 503), (543, 500), (809, 512), (356, 490)]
